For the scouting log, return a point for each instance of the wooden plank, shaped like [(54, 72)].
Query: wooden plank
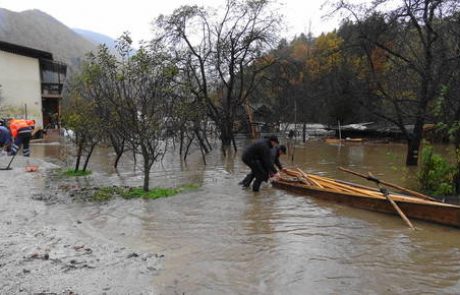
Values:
[(410, 192), (308, 178)]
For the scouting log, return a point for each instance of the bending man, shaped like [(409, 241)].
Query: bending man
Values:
[(276, 152), (258, 157)]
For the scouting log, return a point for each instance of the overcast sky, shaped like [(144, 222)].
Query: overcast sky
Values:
[(114, 17)]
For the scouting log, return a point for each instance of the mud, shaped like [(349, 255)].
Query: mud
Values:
[(45, 250)]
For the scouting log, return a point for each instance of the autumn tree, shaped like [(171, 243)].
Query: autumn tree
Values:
[(281, 87), (313, 80), (330, 73), (410, 38)]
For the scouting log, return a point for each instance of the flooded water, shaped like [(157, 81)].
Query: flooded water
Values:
[(222, 239)]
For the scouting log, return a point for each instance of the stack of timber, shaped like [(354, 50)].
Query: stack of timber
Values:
[(415, 205)]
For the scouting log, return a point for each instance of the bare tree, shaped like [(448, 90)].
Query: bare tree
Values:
[(189, 113), (223, 56)]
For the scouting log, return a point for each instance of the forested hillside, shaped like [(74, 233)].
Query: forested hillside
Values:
[(36, 29)]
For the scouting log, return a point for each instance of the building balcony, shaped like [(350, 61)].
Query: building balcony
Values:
[(52, 90)]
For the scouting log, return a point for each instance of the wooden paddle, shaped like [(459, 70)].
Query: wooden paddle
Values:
[(374, 179), (385, 192)]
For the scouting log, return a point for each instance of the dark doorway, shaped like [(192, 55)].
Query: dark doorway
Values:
[(50, 107)]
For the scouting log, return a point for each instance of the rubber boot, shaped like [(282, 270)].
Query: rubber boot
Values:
[(246, 182), (256, 185)]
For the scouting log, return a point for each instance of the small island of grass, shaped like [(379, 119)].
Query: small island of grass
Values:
[(72, 172), (106, 193)]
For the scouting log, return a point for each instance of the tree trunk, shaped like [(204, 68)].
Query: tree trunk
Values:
[(226, 144), (119, 152), (226, 140), (201, 141), (117, 159), (118, 147), (207, 142), (188, 147), (205, 136), (226, 137), (457, 181), (89, 156), (134, 157), (181, 138), (203, 155), (147, 167), (79, 154), (413, 144), (146, 180)]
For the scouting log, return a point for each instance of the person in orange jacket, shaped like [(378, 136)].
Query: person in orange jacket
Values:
[(21, 130)]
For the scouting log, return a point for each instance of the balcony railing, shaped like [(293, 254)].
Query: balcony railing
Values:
[(52, 71), (52, 89), (52, 75)]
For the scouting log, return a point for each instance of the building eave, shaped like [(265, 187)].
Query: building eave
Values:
[(25, 51)]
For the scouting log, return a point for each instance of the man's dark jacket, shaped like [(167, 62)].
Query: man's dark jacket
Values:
[(259, 151)]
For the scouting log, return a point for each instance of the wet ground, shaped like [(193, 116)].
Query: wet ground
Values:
[(219, 239)]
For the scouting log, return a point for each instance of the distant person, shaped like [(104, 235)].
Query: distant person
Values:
[(22, 131), (275, 152), (258, 157), (291, 134), (5, 139)]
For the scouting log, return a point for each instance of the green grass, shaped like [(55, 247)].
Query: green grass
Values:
[(106, 193), (72, 172)]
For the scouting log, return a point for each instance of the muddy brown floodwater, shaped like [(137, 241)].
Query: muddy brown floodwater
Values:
[(219, 239)]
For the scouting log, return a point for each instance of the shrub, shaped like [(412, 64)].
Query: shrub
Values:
[(436, 175)]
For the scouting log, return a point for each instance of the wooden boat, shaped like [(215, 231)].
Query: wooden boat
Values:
[(335, 141), (368, 198)]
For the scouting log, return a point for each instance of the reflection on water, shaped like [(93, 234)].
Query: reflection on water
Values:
[(225, 240)]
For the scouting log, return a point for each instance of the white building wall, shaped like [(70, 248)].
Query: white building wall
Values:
[(20, 81)]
